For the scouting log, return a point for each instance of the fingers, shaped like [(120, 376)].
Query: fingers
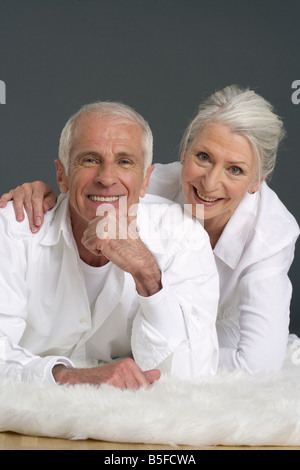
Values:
[(124, 374), (92, 239), (152, 375), (23, 199), (138, 378), (36, 198), (5, 198), (92, 243), (16, 195), (33, 200), (128, 375), (40, 198), (49, 201)]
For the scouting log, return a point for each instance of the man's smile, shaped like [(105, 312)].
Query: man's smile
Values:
[(104, 198)]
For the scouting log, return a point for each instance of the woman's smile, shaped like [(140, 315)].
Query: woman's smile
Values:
[(207, 200)]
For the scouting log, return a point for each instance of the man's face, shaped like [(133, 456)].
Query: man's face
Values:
[(106, 164)]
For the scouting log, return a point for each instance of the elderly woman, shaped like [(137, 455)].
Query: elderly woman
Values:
[(228, 151)]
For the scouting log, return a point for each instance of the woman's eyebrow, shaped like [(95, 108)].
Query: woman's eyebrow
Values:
[(238, 163), (204, 149)]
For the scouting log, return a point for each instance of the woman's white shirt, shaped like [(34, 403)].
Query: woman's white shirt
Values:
[(253, 257)]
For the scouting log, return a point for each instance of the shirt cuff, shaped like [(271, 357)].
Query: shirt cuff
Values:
[(40, 368), (60, 361), (163, 311)]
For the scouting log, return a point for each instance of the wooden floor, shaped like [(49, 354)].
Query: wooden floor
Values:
[(12, 441)]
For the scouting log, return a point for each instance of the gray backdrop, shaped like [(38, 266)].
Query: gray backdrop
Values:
[(161, 57)]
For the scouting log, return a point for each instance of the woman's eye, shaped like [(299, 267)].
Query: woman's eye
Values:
[(235, 170), (203, 157)]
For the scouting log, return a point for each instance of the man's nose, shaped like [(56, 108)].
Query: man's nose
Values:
[(107, 174)]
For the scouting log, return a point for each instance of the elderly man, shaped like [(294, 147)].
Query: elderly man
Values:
[(77, 302)]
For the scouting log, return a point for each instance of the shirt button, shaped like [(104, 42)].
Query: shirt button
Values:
[(82, 320)]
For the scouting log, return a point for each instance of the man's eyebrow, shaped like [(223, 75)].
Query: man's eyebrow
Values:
[(123, 153), (93, 153), (89, 152)]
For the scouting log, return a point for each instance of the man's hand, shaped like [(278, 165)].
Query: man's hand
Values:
[(124, 374), (122, 246), (36, 198)]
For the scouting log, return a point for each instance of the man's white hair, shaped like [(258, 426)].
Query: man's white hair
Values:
[(104, 108)]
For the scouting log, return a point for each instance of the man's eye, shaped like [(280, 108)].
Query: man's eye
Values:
[(89, 160)]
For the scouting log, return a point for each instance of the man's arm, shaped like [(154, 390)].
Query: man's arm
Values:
[(21, 363), (175, 325)]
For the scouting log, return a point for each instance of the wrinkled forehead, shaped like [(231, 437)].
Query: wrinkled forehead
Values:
[(93, 122), (98, 130)]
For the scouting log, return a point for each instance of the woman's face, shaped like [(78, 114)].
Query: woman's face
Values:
[(219, 167)]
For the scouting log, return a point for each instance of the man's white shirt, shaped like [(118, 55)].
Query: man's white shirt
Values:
[(46, 317)]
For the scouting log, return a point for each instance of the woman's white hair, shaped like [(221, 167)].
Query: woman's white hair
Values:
[(104, 108), (246, 113)]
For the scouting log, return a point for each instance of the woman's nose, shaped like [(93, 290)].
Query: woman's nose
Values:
[(212, 179)]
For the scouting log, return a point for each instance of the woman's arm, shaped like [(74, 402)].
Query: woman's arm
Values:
[(36, 198), (265, 293)]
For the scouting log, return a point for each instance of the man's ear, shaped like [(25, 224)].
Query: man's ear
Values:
[(146, 181), (61, 177)]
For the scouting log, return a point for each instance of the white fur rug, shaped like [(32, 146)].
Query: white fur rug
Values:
[(229, 409)]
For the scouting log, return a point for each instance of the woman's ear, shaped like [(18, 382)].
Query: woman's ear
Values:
[(182, 157), (146, 181), (61, 177), (254, 188)]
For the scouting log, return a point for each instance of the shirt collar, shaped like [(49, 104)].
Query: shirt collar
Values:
[(60, 224), (231, 244), (229, 247)]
